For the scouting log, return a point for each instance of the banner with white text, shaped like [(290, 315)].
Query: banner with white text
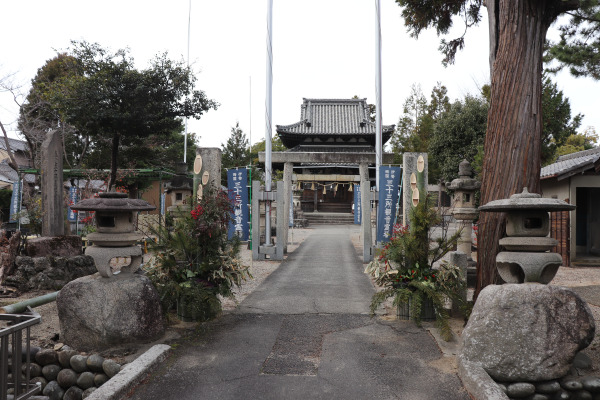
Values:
[(237, 184), (389, 181)]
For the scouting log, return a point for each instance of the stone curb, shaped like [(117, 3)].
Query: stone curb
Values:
[(117, 387)]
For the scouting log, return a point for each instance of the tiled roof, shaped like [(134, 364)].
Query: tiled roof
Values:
[(7, 174), (572, 163), (329, 149), (333, 117), (15, 144)]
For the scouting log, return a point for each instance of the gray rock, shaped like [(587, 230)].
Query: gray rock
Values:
[(582, 361), (49, 273), (66, 378), (46, 356), (581, 395), (527, 332), (548, 387), (100, 379), (51, 371), (571, 384), (591, 384), (502, 386), (111, 368), (94, 363), (64, 357), (85, 380), (73, 393), (58, 246), (41, 380), (520, 390), (539, 396), (97, 312), (34, 370), (53, 391), (88, 392), (79, 363)]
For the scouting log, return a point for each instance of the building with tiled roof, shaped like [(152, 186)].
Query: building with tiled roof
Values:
[(327, 144), (575, 178)]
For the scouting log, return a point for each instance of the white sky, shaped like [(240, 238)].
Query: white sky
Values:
[(322, 49)]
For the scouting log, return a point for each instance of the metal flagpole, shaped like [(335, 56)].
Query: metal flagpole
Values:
[(188, 64), (268, 117), (377, 92)]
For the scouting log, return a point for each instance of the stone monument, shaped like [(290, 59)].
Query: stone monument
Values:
[(117, 306), (524, 333), (52, 186)]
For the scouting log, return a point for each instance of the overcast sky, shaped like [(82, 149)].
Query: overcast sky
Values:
[(321, 49)]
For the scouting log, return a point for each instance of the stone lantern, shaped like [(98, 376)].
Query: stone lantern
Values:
[(527, 257), (181, 189), (115, 236), (464, 188)]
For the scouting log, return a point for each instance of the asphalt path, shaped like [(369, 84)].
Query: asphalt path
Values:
[(306, 333)]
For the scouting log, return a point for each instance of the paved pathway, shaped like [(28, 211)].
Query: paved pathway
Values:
[(305, 333)]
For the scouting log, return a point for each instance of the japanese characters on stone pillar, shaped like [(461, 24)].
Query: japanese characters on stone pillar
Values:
[(52, 186)]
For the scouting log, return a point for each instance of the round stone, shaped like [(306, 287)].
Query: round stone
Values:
[(548, 387), (53, 391), (111, 368), (100, 379), (41, 380), (66, 378), (79, 363), (562, 395), (94, 363), (88, 392), (85, 380), (51, 371), (64, 357), (581, 395), (34, 370), (73, 393), (520, 389), (47, 356), (571, 384), (582, 361), (591, 384), (539, 396)]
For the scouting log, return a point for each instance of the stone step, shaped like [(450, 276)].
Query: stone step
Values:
[(319, 218)]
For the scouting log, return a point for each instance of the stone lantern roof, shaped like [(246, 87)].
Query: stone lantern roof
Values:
[(526, 201), (113, 201)]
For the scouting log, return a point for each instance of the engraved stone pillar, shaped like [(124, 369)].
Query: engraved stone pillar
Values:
[(52, 186), (365, 205), (287, 193), (414, 165), (207, 170)]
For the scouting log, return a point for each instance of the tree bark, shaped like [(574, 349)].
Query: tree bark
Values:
[(513, 140)]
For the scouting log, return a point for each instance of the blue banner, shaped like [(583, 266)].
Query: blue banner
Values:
[(357, 205), (389, 180), (237, 184), (15, 201), (73, 198)]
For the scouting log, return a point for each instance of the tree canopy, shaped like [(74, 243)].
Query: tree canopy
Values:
[(110, 103), (236, 152)]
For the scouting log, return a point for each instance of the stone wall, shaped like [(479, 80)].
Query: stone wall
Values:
[(48, 273)]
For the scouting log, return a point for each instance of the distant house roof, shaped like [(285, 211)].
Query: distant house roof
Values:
[(572, 164), (15, 144), (9, 175), (331, 122)]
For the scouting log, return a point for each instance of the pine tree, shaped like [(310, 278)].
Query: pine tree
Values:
[(236, 152)]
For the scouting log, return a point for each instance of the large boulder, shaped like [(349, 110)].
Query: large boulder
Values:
[(54, 246), (526, 332), (97, 313)]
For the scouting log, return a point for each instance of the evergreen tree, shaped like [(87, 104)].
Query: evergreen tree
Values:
[(236, 152)]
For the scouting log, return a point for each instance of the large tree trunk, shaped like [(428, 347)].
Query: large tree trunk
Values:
[(514, 127)]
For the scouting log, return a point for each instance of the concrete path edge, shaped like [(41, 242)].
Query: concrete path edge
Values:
[(116, 388), (477, 382)]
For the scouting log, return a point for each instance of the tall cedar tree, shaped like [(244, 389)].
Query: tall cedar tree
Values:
[(236, 152), (517, 31), (109, 99)]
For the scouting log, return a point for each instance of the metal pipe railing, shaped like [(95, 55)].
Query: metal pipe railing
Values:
[(11, 336)]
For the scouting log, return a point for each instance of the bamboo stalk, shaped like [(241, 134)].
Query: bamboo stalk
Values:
[(21, 306)]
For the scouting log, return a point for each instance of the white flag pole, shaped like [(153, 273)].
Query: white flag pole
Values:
[(378, 145), (268, 117), (185, 136)]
